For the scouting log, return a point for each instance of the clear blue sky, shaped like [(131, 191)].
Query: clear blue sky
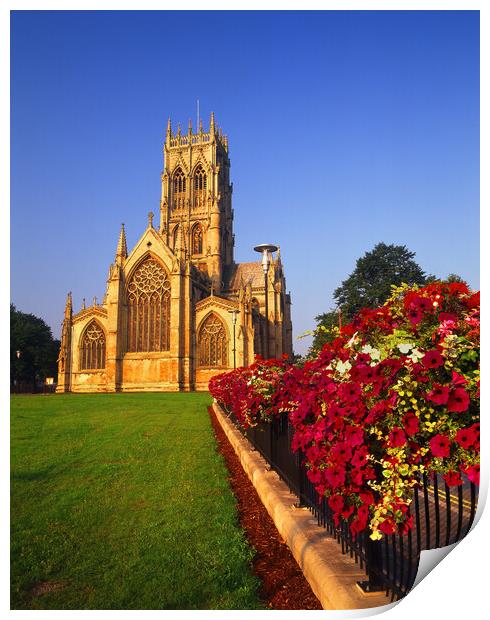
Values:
[(345, 128)]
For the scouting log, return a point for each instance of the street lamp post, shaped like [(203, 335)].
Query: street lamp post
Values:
[(234, 314), (266, 249)]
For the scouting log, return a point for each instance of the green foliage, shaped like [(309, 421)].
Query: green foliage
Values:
[(38, 350), (326, 330), (369, 285), (121, 501)]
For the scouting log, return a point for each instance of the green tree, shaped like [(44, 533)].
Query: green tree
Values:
[(33, 351), (369, 285)]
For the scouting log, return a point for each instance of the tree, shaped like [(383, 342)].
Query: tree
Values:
[(369, 285), (33, 351)]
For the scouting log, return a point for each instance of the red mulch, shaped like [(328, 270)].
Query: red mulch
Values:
[(283, 583)]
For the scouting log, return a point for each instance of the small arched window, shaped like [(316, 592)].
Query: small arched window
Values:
[(212, 345), (200, 184), (179, 186), (92, 347), (197, 239)]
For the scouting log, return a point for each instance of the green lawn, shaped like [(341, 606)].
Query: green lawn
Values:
[(120, 501)]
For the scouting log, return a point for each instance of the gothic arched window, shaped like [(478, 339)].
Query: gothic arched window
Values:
[(179, 185), (149, 308), (92, 347), (197, 239), (200, 184), (200, 179), (211, 345)]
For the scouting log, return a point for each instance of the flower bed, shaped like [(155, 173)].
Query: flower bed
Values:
[(395, 395)]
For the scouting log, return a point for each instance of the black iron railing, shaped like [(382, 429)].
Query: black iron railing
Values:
[(442, 515)]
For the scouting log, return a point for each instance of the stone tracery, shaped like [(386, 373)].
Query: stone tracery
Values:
[(92, 347), (149, 308), (212, 346)]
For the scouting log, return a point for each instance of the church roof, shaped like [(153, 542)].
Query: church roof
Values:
[(237, 273)]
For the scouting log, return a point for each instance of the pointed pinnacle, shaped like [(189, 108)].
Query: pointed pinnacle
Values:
[(122, 248)]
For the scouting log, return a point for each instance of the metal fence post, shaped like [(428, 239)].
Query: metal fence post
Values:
[(374, 567)]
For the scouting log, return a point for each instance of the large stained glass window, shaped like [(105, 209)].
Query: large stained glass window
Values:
[(149, 308)]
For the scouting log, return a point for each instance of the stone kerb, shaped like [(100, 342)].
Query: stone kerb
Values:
[(331, 575)]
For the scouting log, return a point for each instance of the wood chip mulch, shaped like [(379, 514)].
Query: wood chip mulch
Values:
[(283, 583)]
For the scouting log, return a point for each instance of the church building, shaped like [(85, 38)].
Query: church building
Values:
[(177, 308)]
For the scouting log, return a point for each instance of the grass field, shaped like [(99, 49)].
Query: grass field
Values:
[(120, 501)]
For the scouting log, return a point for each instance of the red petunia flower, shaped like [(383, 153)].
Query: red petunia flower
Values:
[(335, 476), (397, 437), (439, 394), (341, 452), (350, 392), (440, 445), (388, 526), (336, 503), (432, 359), (466, 437), (458, 400), (410, 424), (475, 428), (473, 473), (359, 457), (453, 479), (457, 379), (353, 436), (366, 497), (414, 315)]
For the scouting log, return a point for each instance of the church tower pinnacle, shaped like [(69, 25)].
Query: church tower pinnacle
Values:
[(122, 248)]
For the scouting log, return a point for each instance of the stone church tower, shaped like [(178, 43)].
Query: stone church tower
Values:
[(178, 309)]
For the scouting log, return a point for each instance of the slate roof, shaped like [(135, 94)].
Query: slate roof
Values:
[(246, 272)]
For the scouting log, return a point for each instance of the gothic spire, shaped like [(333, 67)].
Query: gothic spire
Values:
[(211, 124), (68, 306), (169, 130), (122, 248)]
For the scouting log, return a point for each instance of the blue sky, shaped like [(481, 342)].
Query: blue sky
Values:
[(346, 128)]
